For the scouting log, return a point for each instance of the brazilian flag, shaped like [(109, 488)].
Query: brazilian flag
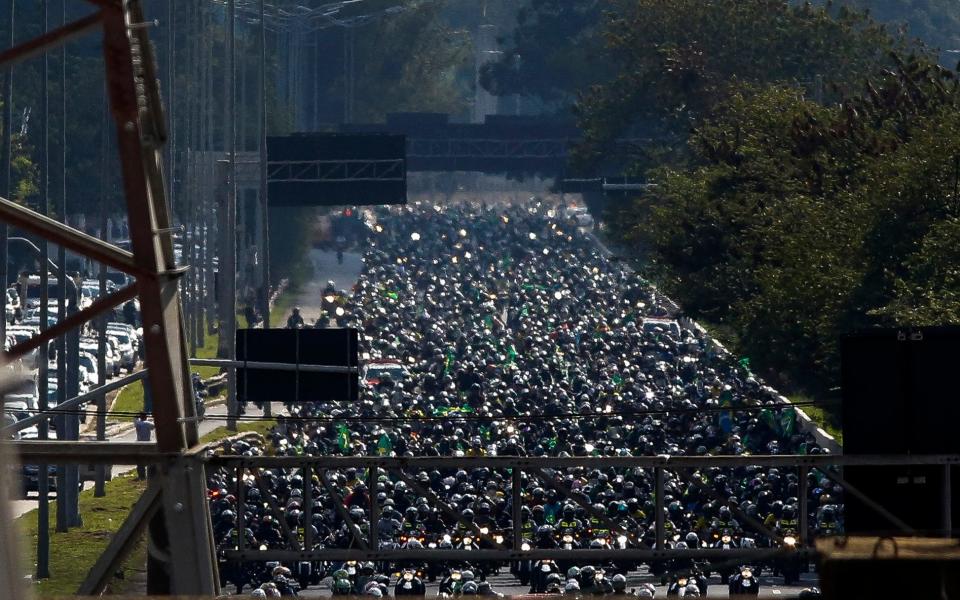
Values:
[(343, 438)]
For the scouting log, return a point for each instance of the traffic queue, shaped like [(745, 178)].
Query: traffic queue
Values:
[(504, 331)]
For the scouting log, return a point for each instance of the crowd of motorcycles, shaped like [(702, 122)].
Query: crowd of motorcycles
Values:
[(518, 338)]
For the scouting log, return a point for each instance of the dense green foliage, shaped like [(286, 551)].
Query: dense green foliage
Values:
[(805, 156), (679, 59), (554, 51), (410, 62)]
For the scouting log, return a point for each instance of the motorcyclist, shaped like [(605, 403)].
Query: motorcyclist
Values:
[(295, 321), (409, 585), (744, 583)]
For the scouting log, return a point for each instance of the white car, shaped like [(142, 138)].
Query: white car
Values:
[(374, 371)]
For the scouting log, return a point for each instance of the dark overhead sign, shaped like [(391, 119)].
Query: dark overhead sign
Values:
[(333, 169), (298, 348)]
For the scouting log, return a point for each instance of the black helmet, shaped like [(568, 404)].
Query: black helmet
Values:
[(693, 541), (619, 582)]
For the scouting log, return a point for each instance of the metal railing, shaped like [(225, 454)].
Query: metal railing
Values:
[(366, 547)]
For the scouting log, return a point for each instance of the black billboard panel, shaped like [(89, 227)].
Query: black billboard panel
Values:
[(333, 169), (299, 347)]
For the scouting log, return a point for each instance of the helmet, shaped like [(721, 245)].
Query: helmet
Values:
[(258, 593), (693, 541), (342, 585), (619, 582), (467, 575), (470, 587), (573, 572)]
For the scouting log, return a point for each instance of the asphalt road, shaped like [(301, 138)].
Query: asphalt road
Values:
[(326, 268)]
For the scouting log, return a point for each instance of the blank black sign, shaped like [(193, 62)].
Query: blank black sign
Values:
[(300, 347)]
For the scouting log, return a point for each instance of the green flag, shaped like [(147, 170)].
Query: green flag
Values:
[(384, 446), (511, 354), (788, 421), (448, 363), (343, 437)]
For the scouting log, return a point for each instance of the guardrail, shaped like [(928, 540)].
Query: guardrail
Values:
[(511, 546)]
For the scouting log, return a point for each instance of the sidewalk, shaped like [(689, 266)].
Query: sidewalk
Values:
[(124, 433)]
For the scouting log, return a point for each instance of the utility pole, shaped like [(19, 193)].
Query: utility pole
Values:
[(264, 206), (43, 487), (7, 156), (230, 262), (67, 363), (99, 487)]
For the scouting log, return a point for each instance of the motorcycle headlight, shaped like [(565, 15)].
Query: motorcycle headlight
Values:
[(484, 530), (725, 539), (446, 537), (746, 573), (432, 545), (408, 576), (622, 539), (263, 546), (789, 541), (568, 538), (455, 576), (682, 582), (467, 541), (498, 539), (525, 547)]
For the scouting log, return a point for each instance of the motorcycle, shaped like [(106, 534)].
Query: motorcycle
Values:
[(523, 569), (679, 582), (727, 541), (744, 583), (789, 565)]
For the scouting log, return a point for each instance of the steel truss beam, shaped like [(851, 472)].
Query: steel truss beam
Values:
[(544, 468), (487, 148), (54, 452), (121, 543), (584, 555), (819, 461), (50, 40), (72, 403), (96, 308), (336, 171), (68, 237), (183, 562)]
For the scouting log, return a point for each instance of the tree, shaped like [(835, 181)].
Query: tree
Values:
[(554, 51), (409, 61), (679, 60)]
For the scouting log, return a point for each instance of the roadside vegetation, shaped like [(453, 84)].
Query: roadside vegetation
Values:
[(805, 156)]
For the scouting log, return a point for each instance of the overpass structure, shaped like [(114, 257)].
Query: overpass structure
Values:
[(519, 145)]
